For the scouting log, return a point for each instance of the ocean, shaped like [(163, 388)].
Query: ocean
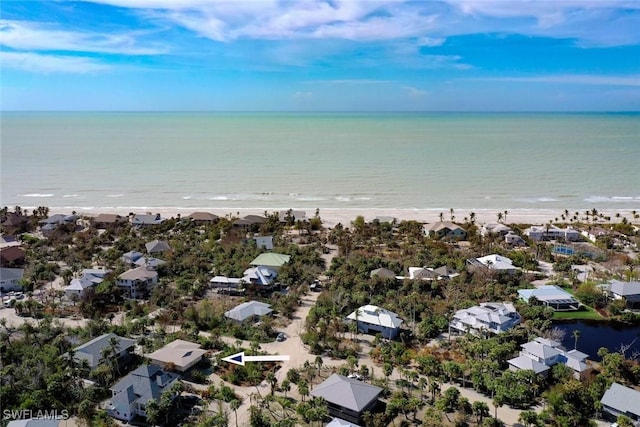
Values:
[(465, 161)]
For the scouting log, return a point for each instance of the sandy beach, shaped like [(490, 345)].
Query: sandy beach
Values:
[(332, 216)]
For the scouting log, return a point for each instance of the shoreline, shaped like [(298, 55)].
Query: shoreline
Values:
[(332, 216)]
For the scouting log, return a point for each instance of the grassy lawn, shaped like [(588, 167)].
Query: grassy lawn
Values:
[(589, 313)]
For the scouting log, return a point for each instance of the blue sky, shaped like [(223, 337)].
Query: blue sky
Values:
[(302, 55)]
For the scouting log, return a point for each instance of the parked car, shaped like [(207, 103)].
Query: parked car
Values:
[(281, 337), (355, 376)]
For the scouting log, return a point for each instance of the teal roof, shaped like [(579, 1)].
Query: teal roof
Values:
[(271, 259)]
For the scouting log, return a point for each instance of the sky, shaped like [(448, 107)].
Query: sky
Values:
[(320, 55)]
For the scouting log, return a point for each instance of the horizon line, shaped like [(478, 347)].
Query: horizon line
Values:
[(340, 111)]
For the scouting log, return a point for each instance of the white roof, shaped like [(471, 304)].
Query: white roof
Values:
[(624, 288), (247, 310), (524, 362), (375, 315), (138, 273), (225, 279), (497, 262), (180, 353)]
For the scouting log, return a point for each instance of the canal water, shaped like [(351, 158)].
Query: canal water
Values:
[(597, 334)]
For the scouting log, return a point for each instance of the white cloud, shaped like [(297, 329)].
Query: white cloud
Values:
[(414, 92), (38, 63), (23, 35), (581, 79)]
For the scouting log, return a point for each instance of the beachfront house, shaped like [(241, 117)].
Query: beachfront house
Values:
[(620, 400), (347, 398), (493, 263), (550, 296), (495, 228), (137, 282), (105, 220), (132, 393), (248, 311), (547, 232), (250, 222), (178, 355), (541, 354), (92, 351), (374, 319), (629, 292), (146, 220), (11, 279), (445, 230), (203, 217), (90, 277), (492, 317)]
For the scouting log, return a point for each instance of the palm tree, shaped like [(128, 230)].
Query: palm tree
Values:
[(235, 404), (575, 334)]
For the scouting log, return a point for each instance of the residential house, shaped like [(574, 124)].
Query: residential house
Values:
[(595, 233), (347, 398), (157, 246), (90, 278), (104, 220), (12, 256), (14, 222), (265, 242), (137, 282), (11, 279), (132, 393), (146, 220), (53, 418), (445, 230), (551, 232), (494, 263), (8, 241), (491, 317), (131, 257), (150, 263), (422, 273), (620, 400), (513, 239), (626, 291), (47, 226), (226, 284), (262, 276), (495, 228), (250, 222), (541, 354), (271, 260), (339, 422), (203, 217), (292, 216), (373, 319), (178, 355), (92, 351), (383, 273), (550, 296), (250, 310)]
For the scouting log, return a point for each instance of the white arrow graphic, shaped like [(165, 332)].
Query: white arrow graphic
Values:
[(240, 358)]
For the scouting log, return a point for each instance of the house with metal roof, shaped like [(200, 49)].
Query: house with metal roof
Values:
[(373, 319), (131, 394), (92, 351), (248, 310), (61, 421), (541, 354), (383, 273), (445, 230), (550, 296), (90, 278), (551, 232), (137, 282), (271, 259), (157, 246), (493, 262), (491, 317), (178, 354), (145, 220), (626, 291), (347, 398), (620, 400)]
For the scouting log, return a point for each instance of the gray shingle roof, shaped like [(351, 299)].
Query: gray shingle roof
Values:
[(247, 310), (623, 399), (147, 382), (91, 351), (347, 392)]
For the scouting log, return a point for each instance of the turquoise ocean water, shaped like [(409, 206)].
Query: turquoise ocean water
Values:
[(320, 160)]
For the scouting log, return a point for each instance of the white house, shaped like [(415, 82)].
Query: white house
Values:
[(90, 277), (493, 262), (10, 279), (541, 354), (137, 282), (551, 232), (371, 318), (492, 317)]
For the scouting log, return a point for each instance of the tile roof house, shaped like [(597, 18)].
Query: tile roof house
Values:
[(492, 317), (248, 310), (10, 279), (131, 394), (620, 400), (445, 229), (137, 281), (372, 319), (178, 354), (91, 351), (271, 259), (627, 291), (541, 354), (493, 262), (551, 296), (347, 398)]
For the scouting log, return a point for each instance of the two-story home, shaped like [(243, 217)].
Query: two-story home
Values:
[(629, 292), (491, 317), (493, 263), (137, 282), (92, 351), (90, 278), (132, 393), (373, 319), (541, 354), (620, 400), (551, 232), (347, 398), (11, 279), (445, 230)]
